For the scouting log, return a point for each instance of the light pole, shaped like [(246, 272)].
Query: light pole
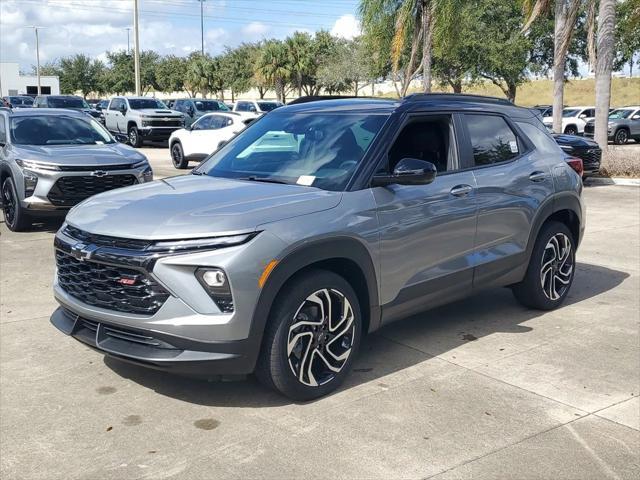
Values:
[(136, 54), (202, 26), (35, 29)]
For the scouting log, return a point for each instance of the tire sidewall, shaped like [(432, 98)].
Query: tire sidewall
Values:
[(19, 216), (571, 130), (548, 231), (616, 138), (291, 297), (134, 137), (181, 163)]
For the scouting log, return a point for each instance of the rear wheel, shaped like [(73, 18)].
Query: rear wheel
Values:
[(134, 137), (621, 137), (571, 130), (312, 337), (177, 156), (15, 216), (551, 269)]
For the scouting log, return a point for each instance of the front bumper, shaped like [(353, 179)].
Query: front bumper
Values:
[(40, 200), (157, 350), (157, 133)]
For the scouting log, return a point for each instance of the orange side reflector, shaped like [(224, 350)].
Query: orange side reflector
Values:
[(266, 272)]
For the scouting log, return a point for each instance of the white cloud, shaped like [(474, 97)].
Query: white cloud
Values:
[(347, 26), (255, 30)]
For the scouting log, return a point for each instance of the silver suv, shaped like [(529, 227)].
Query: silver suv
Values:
[(140, 119), (319, 223), (623, 125), (52, 159)]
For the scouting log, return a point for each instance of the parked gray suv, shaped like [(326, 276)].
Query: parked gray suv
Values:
[(52, 159), (623, 125), (319, 223)]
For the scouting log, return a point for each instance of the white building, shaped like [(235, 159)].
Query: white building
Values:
[(13, 83)]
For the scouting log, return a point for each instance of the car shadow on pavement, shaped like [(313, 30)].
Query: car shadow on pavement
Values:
[(395, 347), (47, 225)]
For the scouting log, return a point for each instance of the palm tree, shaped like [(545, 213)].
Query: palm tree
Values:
[(565, 16), (604, 66), (273, 65), (299, 47)]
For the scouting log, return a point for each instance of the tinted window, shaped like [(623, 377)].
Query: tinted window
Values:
[(203, 123), (57, 130), (20, 101), (245, 107), (268, 106), (319, 150), (620, 113), (140, 103), (491, 139), (67, 102), (210, 106), (116, 104)]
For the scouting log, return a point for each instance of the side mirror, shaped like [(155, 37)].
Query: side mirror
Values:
[(408, 171), (222, 144), (583, 115), (636, 117), (191, 111), (123, 109)]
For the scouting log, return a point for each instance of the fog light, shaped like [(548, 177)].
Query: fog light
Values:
[(215, 282), (214, 278), (30, 182)]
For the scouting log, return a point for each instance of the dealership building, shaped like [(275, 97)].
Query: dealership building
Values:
[(12, 82)]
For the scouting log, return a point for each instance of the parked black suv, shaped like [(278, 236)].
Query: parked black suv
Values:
[(70, 102)]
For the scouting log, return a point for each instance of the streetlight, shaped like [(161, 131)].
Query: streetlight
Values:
[(36, 28), (202, 26), (136, 56), (128, 29)]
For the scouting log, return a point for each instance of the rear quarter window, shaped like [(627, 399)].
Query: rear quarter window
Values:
[(491, 138), (543, 142)]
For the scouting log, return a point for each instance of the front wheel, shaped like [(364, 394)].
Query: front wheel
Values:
[(134, 137), (551, 269), (312, 337), (177, 156), (621, 137), (15, 216)]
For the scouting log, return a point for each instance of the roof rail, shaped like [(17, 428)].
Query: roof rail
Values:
[(416, 97), (316, 98)]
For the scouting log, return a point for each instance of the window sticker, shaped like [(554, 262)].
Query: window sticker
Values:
[(306, 180), (514, 146)]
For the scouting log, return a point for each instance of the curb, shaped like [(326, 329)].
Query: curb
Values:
[(626, 182)]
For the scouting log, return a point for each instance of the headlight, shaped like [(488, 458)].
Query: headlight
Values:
[(33, 165), (147, 173), (202, 243), (30, 182)]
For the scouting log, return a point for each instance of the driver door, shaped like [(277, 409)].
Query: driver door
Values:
[(426, 231)]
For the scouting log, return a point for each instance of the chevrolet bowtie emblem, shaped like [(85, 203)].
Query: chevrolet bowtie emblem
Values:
[(82, 251)]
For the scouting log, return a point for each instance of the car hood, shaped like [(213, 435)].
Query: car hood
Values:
[(154, 112), (574, 141), (195, 206), (79, 155)]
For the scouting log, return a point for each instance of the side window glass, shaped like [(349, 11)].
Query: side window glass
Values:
[(492, 139), (204, 123), (242, 106), (540, 138), (3, 131)]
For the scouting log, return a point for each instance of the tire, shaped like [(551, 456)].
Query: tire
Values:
[(302, 371), (134, 137), (571, 130), (546, 291), (621, 136), (15, 216), (177, 156)]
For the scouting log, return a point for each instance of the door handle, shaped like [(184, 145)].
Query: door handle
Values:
[(461, 190), (538, 176)]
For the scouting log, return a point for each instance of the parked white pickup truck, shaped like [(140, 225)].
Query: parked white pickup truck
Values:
[(141, 118)]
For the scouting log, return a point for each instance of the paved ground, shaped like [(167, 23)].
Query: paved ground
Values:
[(481, 389)]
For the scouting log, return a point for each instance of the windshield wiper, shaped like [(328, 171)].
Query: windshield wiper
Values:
[(253, 178)]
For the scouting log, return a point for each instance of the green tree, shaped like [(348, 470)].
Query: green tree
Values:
[(198, 76), (119, 78), (627, 34), (80, 73), (349, 68), (273, 65), (300, 50), (237, 65), (170, 72)]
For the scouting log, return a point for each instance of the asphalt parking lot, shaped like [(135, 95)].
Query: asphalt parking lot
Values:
[(479, 389)]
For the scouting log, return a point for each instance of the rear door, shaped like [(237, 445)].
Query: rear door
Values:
[(512, 182), (426, 231)]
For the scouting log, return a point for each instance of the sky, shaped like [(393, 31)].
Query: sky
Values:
[(94, 27)]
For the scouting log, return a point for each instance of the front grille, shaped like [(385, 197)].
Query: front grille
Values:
[(100, 285), (68, 191), (164, 123), (93, 168), (104, 240), (590, 157), (589, 128)]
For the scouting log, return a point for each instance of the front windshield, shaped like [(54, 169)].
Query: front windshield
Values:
[(210, 106), (268, 106), (620, 113), (318, 150), (58, 130), (141, 103), (570, 112), (67, 102)]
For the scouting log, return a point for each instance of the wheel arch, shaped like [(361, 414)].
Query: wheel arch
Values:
[(131, 123), (344, 256), (563, 207)]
